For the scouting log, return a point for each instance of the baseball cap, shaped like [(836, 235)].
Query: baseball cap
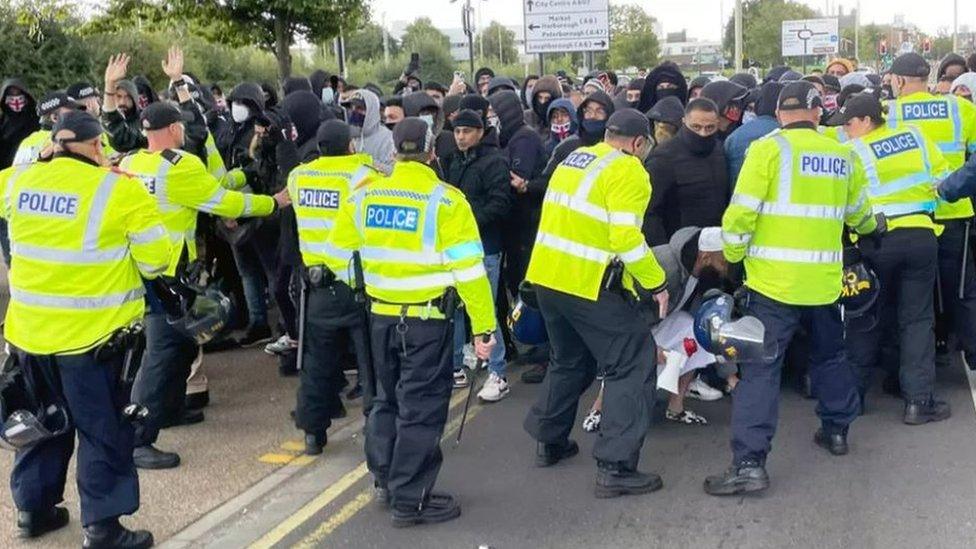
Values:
[(467, 118), (76, 126), (161, 114), (799, 95), (333, 137), (858, 105), (910, 64), (53, 101), (710, 239), (629, 123), (410, 135)]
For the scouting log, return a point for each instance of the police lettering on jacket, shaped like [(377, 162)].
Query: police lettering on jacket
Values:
[(928, 110), (318, 198), (397, 218), (579, 160), (894, 145), (48, 203), (823, 165)]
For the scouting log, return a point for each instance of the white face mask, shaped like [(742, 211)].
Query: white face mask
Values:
[(494, 122), (429, 119), (328, 95), (239, 112)]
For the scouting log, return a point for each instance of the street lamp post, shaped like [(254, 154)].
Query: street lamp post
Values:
[(738, 35)]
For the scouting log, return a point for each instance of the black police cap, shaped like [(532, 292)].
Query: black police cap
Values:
[(81, 90), (629, 123), (161, 114), (910, 64), (410, 136), (76, 126), (54, 101), (858, 105), (799, 95)]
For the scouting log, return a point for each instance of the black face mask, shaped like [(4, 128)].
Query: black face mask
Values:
[(633, 104), (541, 107), (696, 143)]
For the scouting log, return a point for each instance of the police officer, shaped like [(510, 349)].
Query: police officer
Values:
[(950, 122), (420, 250), (796, 191), (50, 109), (588, 250), (82, 236), (902, 166), (330, 308), (181, 186)]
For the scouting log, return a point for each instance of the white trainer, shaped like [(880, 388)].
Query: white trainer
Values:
[(494, 389), (460, 379), (283, 345), (700, 390)]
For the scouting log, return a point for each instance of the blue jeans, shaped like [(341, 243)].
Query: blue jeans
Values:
[(496, 363), (256, 261)]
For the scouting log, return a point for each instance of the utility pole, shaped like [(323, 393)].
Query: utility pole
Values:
[(955, 25), (857, 31), (466, 10), (738, 35), (501, 56), (481, 35)]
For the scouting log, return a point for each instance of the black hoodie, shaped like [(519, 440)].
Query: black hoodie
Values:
[(15, 126), (665, 72), (481, 173), (233, 139), (293, 84), (948, 61)]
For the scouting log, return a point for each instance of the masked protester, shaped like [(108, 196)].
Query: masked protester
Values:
[(527, 86), (730, 98), (965, 86), (546, 90), (18, 118), (369, 136), (665, 80), (562, 123), (696, 85), (689, 175)]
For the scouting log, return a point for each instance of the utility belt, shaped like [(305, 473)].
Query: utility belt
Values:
[(319, 276), (439, 308), (130, 344)]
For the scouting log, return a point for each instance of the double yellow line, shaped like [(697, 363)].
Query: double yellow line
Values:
[(337, 489)]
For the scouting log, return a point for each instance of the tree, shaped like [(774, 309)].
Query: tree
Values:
[(433, 47), (366, 43), (870, 37), (498, 43), (762, 28), (41, 45), (273, 25), (632, 39)]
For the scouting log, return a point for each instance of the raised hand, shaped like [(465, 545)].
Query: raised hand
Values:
[(115, 71), (173, 64)]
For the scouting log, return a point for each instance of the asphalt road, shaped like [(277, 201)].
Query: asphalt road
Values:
[(901, 486)]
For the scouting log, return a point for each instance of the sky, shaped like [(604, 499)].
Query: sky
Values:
[(701, 18)]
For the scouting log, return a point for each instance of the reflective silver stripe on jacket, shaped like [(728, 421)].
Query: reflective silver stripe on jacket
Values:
[(72, 302), (793, 255), (575, 249)]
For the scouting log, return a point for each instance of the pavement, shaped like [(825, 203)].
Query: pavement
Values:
[(243, 482)]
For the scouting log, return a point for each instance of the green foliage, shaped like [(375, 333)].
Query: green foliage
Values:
[(762, 28), (870, 37), (498, 43), (632, 39), (366, 43), (40, 46)]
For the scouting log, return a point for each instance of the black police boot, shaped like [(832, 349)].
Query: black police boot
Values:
[(197, 401), (31, 524), (381, 495), (109, 534), (437, 508), (745, 477), (835, 443), (918, 412), (614, 480), (534, 374), (314, 442), (551, 454), (150, 457)]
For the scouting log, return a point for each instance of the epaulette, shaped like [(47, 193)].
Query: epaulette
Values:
[(172, 156)]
